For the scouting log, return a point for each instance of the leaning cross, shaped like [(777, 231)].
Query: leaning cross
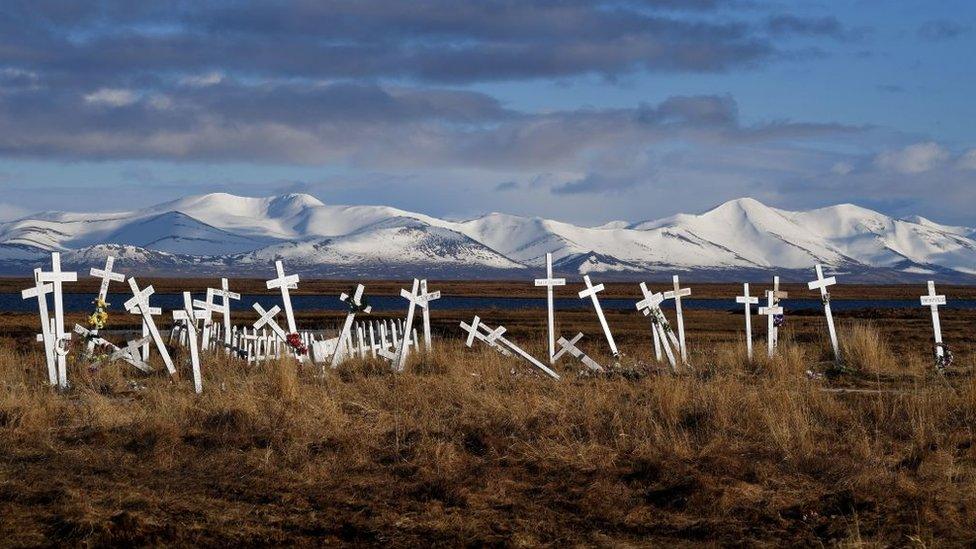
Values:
[(474, 332), (676, 294), (933, 301), (139, 303), (414, 298), (549, 282), (107, 276), (267, 319), (56, 276), (427, 297), (822, 283), (40, 291), (571, 348), (748, 301), (189, 316), (770, 310), (495, 336), (226, 295), (356, 305), (285, 283), (651, 306), (591, 292)]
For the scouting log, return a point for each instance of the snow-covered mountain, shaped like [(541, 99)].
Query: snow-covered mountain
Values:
[(739, 239)]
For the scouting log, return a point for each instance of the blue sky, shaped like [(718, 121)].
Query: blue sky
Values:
[(582, 111)]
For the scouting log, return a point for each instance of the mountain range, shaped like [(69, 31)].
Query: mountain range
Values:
[(241, 236)]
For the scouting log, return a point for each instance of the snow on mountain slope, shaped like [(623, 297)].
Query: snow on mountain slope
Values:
[(398, 241), (221, 231), (176, 232)]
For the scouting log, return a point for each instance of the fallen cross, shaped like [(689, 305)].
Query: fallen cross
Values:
[(571, 348), (495, 338)]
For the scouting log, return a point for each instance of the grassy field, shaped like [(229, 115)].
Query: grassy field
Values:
[(470, 448)]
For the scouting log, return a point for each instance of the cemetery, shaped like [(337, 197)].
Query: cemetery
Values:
[(439, 416)]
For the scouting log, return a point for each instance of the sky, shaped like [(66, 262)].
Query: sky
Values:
[(583, 111)]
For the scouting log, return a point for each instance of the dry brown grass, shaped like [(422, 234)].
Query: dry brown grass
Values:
[(459, 450)]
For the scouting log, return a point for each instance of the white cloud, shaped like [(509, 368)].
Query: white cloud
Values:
[(203, 80), (968, 160), (917, 158), (842, 168), (111, 97)]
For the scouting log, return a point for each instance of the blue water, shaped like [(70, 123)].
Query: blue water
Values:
[(83, 303)]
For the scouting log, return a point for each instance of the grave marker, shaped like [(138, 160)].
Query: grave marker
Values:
[(57, 277), (414, 299), (748, 301), (591, 292), (770, 310), (39, 292), (356, 304), (426, 297), (139, 303), (189, 316), (571, 348), (107, 277), (932, 300), (550, 282), (821, 284), (676, 294)]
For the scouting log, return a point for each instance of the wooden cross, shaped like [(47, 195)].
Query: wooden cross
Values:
[(189, 316), (821, 284), (153, 311), (356, 304), (57, 277), (474, 332), (550, 282), (778, 296), (571, 348), (285, 283), (770, 310), (414, 299), (267, 319), (139, 303), (676, 294), (226, 295), (651, 306), (129, 353), (495, 336), (427, 297), (591, 292), (932, 300), (107, 276), (748, 301), (205, 313), (39, 292)]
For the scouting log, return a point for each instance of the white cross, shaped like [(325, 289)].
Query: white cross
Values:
[(676, 294), (139, 303), (932, 300), (57, 277), (129, 353), (427, 297), (495, 336), (770, 310), (356, 304), (591, 292), (226, 295), (189, 316), (748, 301), (153, 311), (107, 276), (414, 299), (205, 313), (571, 348), (773, 328), (474, 332), (821, 284), (285, 283), (651, 306), (39, 292), (267, 319), (549, 282)]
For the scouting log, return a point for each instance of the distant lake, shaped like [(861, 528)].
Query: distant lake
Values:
[(83, 303)]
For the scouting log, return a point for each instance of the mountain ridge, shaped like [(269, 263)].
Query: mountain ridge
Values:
[(214, 233)]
